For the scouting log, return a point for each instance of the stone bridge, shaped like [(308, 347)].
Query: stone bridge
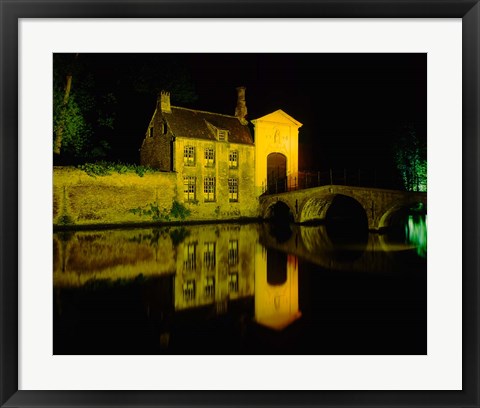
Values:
[(313, 204)]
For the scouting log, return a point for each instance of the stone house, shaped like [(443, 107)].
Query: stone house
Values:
[(221, 169)]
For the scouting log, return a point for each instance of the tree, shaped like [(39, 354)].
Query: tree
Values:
[(410, 155), (79, 116), (63, 111)]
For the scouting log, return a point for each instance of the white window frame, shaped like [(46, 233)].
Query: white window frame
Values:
[(233, 190), (209, 187), (189, 155)]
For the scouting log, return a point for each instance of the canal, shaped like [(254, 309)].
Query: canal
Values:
[(257, 288)]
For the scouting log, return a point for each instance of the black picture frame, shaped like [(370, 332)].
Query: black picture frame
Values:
[(11, 11)]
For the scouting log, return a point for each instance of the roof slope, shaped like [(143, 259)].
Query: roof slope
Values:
[(278, 116), (194, 123)]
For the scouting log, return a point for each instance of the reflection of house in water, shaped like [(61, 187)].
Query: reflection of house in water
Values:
[(276, 288), (210, 265), (215, 265)]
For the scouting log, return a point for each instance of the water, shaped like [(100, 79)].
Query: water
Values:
[(240, 289)]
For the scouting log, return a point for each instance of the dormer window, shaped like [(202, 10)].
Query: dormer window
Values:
[(222, 135)]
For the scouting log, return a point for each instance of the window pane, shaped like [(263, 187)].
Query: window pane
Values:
[(233, 159), (209, 188), (189, 156), (209, 157), (233, 189), (189, 188)]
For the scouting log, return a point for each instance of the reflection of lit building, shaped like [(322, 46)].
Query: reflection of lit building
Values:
[(276, 288), (215, 265), (207, 265), (221, 171)]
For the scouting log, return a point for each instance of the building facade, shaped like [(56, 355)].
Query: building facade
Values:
[(221, 169), (276, 152)]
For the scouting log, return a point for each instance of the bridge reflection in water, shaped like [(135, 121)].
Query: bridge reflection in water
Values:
[(222, 289)]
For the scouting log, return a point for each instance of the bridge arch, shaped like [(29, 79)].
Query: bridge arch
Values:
[(333, 206), (386, 219), (279, 210)]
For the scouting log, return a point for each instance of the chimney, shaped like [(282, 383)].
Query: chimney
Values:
[(241, 109), (163, 102)]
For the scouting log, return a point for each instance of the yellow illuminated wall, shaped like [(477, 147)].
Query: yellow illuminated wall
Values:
[(222, 204), (276, 132)]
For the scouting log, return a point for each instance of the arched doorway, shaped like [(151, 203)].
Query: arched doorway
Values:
[(276, 173)]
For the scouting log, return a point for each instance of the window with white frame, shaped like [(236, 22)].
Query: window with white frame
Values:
[(233, 189), (209, 188), (233, 159), (209, 157), (189, 156), (189, 188)]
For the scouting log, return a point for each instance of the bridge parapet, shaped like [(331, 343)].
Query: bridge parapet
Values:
[(312, 205)]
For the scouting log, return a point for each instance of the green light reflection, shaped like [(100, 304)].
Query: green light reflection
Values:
[(416, 233)]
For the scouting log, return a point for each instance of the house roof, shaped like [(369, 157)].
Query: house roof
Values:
[(197, 124)]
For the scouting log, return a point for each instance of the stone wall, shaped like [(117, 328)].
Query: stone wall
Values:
[(156, 147), (80, 200)]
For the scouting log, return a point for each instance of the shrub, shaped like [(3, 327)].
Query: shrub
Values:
[(105, 168)]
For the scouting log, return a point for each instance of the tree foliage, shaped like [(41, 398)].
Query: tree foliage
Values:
[(81, 119), (410, 154), (70, 121)]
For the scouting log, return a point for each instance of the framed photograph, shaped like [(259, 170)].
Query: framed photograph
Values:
[(225, 203)]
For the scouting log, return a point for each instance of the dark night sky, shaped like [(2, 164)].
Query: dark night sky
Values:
[(351, 105)]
